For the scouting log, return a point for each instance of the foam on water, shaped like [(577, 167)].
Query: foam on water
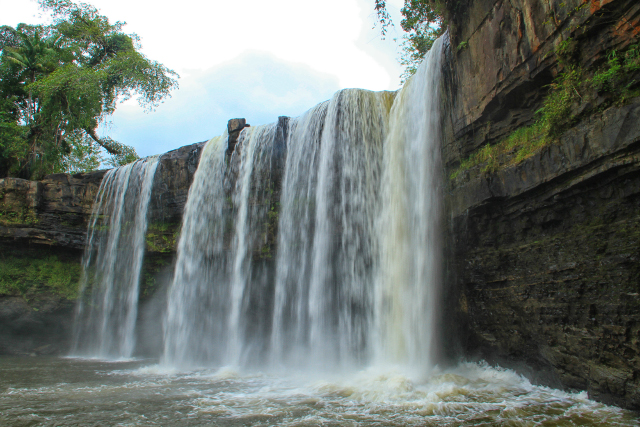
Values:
[(74, 391)]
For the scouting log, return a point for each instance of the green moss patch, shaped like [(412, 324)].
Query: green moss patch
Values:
[(162, 237), (153, 265), (270, 233), (29, 273), (24, 216), (575, 93)]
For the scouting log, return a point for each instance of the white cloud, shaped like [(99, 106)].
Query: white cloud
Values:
[(256, 86)]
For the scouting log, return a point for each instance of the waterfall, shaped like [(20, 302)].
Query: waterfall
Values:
[(218, 289), (315, 245), (410, 264), (107, 309), (327, 248)]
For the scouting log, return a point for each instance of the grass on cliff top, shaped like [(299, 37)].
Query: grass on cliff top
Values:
[(521, 144), (28, 276), (574, 94)]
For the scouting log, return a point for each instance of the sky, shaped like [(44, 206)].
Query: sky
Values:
[(254, 59)]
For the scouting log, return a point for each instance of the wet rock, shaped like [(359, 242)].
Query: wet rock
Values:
[(43, 327), (234, 126)]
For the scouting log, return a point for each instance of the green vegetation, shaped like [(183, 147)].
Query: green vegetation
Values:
[(518, 146), (423, 22), (153, 265), (12, 213), (162, 237), (25, 216), (26, 275), (59, 81), (574, 94), (270, 234)]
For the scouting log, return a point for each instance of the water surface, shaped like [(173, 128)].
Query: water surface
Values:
[(65, 391)]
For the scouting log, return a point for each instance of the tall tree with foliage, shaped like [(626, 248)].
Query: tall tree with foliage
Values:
[(423, 22), (58, 82)]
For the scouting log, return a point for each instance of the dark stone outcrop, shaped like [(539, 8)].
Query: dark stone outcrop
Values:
[(543, 268), (546, 260), (506, 59), (234, 126), (169, 195), (41, 327), (172, 181), (56, 210)]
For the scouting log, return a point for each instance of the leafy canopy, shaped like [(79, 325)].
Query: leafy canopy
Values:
[(423, 22), (59, 81)]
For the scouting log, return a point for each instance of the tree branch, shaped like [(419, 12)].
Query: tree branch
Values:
[(106, 144)]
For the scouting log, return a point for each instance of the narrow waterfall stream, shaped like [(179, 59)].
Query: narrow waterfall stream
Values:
[(108, 305), (409, 229)]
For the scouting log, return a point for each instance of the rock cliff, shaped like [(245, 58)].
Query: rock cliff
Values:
[(543, 266)]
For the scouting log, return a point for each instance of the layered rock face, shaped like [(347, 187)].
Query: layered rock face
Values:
[(543, 256), (54, 211)]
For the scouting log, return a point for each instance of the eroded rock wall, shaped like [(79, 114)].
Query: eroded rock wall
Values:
[(504, 59), (54, 211), (543, 257)]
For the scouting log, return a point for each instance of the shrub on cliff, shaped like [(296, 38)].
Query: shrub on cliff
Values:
[(423, 22)]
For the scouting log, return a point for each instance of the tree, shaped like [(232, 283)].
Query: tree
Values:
[(423, 22), (58, 82)]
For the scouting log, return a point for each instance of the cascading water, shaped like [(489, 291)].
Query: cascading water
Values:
[(410, 264), (217, 289), (355, 274), (327, 248), (108, 305)]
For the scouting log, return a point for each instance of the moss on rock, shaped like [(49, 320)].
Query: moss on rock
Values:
[(28, 272)]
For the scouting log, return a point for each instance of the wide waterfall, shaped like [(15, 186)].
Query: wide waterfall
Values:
[(304, 291), (314, 244), (327, 248), (108, 305)]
